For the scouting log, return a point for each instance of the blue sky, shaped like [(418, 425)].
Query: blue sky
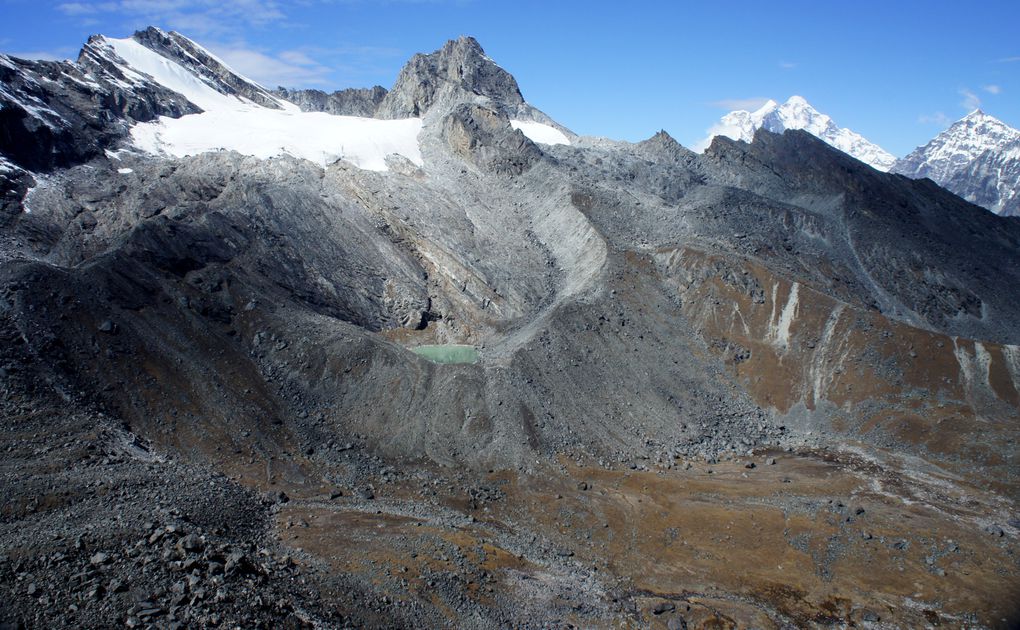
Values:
[(896, 71)]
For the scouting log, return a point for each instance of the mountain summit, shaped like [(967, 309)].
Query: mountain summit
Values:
[(460, 68), (797, 113), (977, 157)]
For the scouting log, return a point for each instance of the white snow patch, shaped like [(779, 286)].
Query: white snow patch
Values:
[(232, 123), (284, 103), (821, 376), (540, 133), (1012, 355), (781, 333), (171, 75), (125, 171), (966, 363), (264, 133), (975, 369), (24, 201)]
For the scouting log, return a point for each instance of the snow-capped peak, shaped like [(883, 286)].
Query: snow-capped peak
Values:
[(239, 114), (141, 64), (797, 113), (977, 157), (964, 141), (181, 65)]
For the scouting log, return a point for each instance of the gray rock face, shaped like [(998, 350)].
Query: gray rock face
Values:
[(350, 102), (14, 183), (483, 137), (978, 158), (662, 147), (458, 72)]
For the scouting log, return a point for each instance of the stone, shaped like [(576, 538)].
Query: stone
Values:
[(151, 611), (237, 562), (995, 530), (191, 543), (677, 623)]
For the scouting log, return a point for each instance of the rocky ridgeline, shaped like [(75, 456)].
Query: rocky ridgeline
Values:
[(350, 102)]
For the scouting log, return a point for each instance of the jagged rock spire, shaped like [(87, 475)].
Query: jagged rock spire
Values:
[(458, 72)]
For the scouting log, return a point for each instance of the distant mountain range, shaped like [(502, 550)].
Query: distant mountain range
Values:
[(797, 113), (978, 157)]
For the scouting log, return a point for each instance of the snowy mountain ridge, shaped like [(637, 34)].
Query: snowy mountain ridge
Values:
[(963, 142), (161, 93), (977, 157), (797, 113), (175, 98)]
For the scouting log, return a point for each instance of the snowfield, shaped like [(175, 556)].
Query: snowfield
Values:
[(540, 133), (265, 133), (231, 123), (169, 74)]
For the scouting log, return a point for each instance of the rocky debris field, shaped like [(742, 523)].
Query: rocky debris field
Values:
[(102, 529), (99, 531)]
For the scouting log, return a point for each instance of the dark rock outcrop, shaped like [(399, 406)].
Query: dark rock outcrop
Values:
[(483, 137), (56, 114), (350, 102)]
